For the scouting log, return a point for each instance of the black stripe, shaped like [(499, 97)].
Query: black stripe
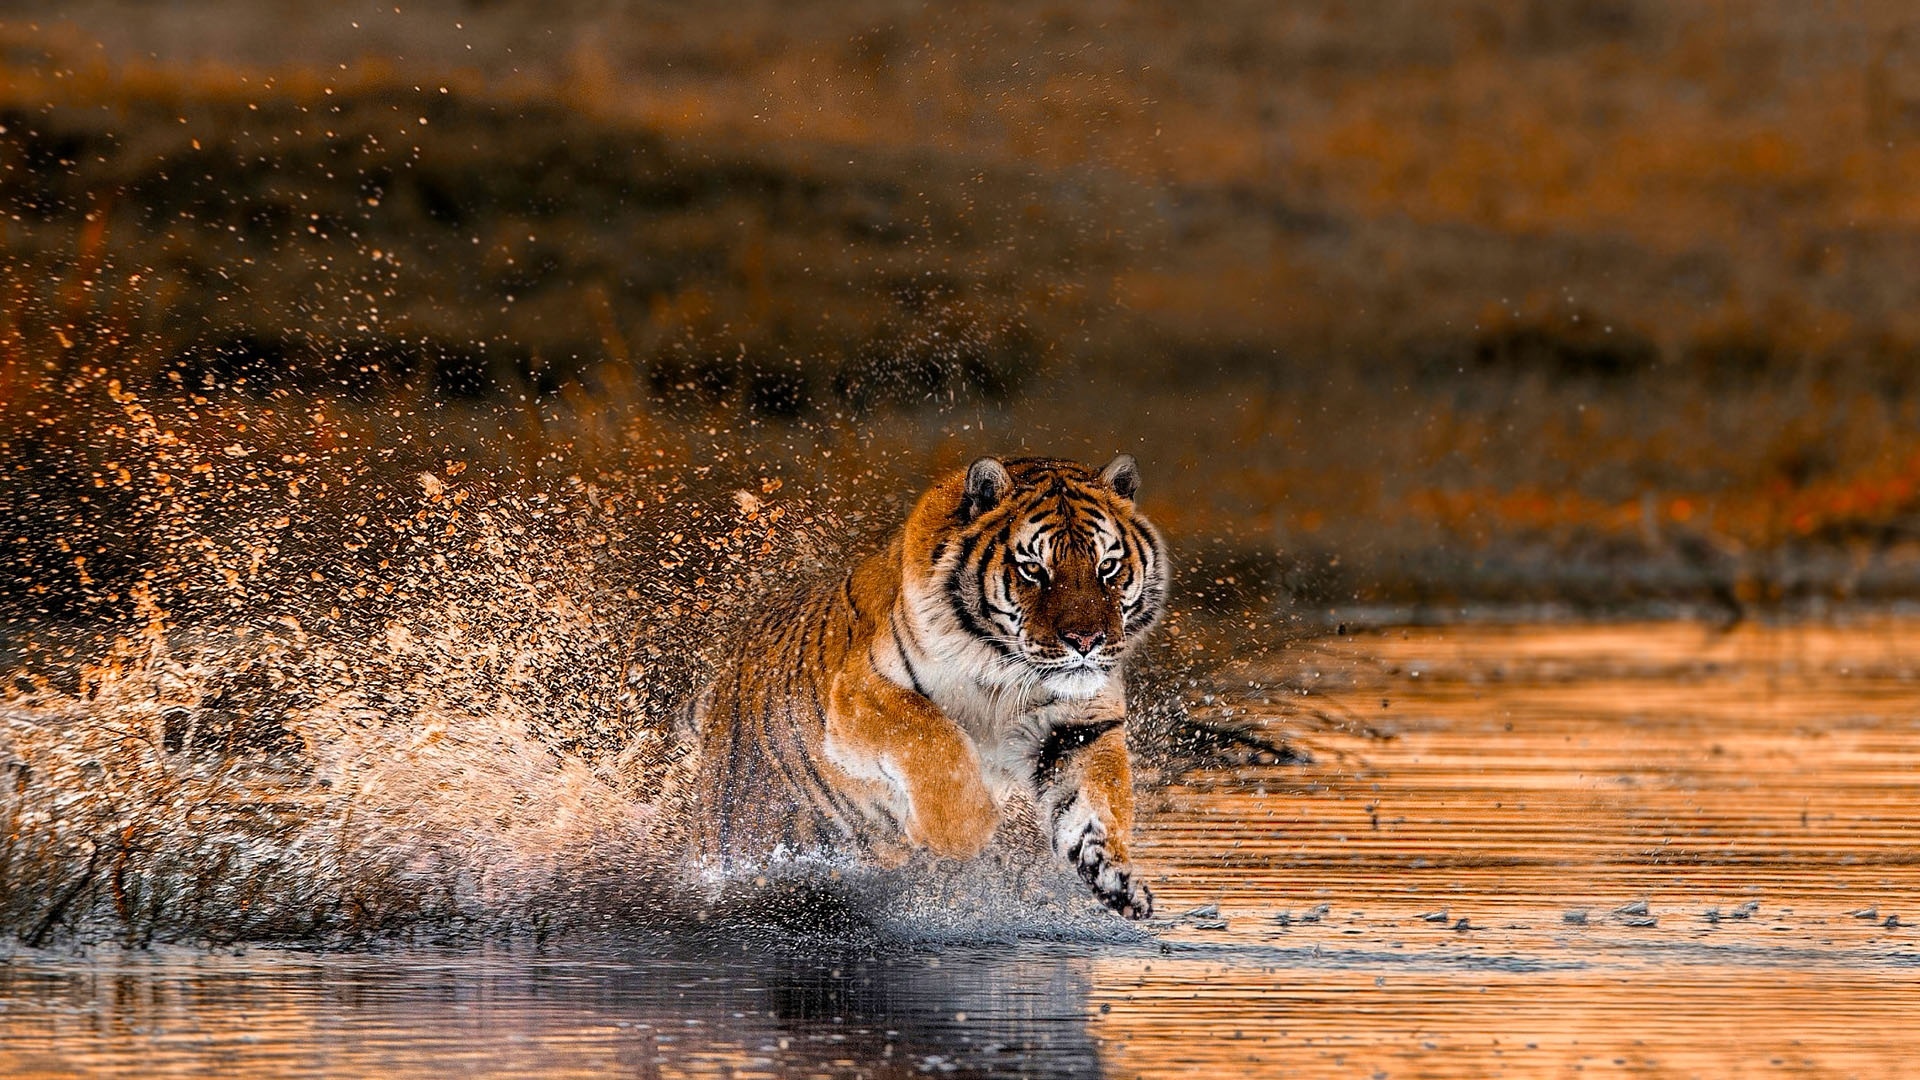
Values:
[(846, 590), (1014, 617), (1042, 532), (808, 780), (1131, 545), (900, 647), (894, 615), (843, 810), (956, 598), (731, 780), (767, 743), (1065, 739), (956, 583), (967, 620), (967, 548), (786, 752)]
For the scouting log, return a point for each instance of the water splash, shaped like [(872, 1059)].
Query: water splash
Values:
[(345, 696)]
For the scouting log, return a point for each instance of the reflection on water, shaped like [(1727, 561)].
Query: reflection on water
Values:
[(1516, 851), (630, 1012), (1649, 848)]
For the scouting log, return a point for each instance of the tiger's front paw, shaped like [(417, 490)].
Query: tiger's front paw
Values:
[(1112, 881)]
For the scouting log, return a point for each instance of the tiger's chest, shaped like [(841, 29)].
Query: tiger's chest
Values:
[(1012, 738)]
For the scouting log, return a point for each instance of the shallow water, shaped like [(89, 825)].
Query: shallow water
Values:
[(1452, 887)]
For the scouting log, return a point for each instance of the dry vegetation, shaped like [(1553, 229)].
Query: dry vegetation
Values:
[(1599, 302)]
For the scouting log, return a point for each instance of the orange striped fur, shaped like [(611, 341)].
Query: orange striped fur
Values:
[(977, 658)]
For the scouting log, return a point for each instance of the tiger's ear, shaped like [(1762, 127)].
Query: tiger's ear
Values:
[(987, 484), (1122, 474)]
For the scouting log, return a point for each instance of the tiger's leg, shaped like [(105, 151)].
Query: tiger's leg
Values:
[(879, 731), (1086, 791)]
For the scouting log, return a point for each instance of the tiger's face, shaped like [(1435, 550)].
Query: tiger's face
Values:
[(1056, 572)]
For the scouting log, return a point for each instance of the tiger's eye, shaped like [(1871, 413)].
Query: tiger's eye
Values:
[(1031, 571), (1109, 567)]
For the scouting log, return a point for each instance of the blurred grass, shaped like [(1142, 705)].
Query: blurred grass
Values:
[(1595, 303)]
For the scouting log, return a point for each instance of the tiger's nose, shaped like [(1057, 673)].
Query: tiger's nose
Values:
[(1085, 640)]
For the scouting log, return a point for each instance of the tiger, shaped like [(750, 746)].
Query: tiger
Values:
[(977, 657)]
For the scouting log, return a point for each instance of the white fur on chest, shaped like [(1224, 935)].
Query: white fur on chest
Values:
[(1001, 704)]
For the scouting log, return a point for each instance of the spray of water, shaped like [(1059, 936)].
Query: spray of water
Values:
[(333, 696), (341, 696)]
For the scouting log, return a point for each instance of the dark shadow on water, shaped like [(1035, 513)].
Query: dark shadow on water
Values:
[(666, 1008)]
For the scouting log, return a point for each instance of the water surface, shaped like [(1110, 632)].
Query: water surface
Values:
[(1650, 849)]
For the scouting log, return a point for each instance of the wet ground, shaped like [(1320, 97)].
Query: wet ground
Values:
[(1649, 849)]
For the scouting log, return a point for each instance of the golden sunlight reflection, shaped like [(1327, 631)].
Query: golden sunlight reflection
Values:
[(1532, 849), (1659, 849)]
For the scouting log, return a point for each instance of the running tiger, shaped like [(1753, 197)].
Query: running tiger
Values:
[(976, 657)]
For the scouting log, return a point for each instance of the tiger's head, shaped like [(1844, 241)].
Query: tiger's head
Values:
[(1044, 566)]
